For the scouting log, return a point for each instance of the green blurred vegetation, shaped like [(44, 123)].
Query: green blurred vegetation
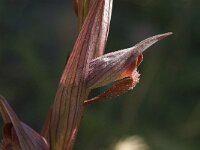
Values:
[(164, 108)]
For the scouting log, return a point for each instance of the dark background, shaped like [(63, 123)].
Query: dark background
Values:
[(163, 109)]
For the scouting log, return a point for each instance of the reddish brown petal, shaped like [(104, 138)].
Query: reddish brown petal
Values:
[(119, 88), (140, 59), (133, 66)]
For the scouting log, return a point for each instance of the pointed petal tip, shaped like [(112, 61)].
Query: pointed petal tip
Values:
[(145, 44), (164, 35), (168, 33)]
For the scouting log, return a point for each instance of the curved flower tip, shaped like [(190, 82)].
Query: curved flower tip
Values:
[(162, 36), (143, 45), (118, 65)]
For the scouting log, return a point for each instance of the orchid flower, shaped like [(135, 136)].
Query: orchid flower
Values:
[(87, 68)]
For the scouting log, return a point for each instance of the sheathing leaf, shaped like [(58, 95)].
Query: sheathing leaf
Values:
[(72, 91)]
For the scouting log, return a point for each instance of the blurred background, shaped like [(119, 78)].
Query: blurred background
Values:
[(161, 113)]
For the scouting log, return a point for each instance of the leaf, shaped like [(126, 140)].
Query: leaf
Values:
[(17, 134), (45, 129), (82, 10), (82, 7), (119, 64), (104, 26), (72, 91)]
